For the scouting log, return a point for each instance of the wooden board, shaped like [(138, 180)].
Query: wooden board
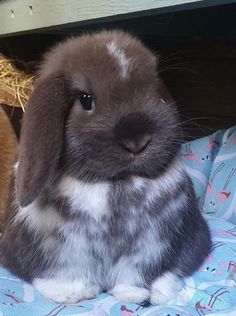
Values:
[(24, 15)]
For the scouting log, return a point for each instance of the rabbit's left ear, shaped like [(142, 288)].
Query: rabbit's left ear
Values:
[(41, 138)]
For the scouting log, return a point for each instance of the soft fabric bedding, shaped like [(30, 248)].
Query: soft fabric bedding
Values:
[(211, 163)]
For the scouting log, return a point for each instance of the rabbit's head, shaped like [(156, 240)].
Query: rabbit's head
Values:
[(98, 112)]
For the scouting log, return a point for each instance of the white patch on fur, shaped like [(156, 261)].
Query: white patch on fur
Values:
[(165, 183), (165, 288), (120, 57), (38, 218), (175, 204), (171, 177), (15, 167), (129, 293), (91, 198), (73, 254), (139, 183), (125, 271), (62, 291), (155, 249)]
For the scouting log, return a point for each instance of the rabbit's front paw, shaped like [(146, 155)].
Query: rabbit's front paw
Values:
[(129, 293), (165, 288), (68, 292)]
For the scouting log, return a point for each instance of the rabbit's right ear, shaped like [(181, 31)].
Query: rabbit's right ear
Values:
[(41, 138)]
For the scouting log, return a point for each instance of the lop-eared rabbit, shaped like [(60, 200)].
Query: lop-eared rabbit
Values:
[(99, 198)]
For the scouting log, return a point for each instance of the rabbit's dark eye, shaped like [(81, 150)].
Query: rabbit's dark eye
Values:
[(86, 101)]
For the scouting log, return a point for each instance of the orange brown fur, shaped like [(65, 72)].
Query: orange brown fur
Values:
[(8, 151)]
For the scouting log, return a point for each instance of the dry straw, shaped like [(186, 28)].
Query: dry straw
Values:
[(15, 85)]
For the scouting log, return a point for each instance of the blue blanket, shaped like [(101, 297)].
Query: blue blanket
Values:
[(211, 163)]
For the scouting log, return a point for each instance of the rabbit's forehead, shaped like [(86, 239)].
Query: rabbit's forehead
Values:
[(118, 72), (109, 60)]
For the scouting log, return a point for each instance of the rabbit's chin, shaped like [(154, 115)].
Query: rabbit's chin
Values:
[(101, 162), (116, 173)]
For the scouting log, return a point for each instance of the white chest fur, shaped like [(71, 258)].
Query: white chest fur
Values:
[(86, 197), (93, 198)]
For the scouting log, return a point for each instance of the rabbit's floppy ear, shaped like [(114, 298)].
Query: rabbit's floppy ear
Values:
[(41, 138)]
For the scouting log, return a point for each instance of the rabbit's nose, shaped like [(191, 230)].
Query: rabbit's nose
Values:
[(135, 145)]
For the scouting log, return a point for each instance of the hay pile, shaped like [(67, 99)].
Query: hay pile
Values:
[(15, 85)]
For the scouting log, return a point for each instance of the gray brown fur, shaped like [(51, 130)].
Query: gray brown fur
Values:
[(60, 139)]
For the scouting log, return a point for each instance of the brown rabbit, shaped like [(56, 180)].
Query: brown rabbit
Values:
[(8, 151)]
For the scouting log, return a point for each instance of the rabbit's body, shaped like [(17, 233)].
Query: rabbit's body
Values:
[(116, 211), (109, 233)]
